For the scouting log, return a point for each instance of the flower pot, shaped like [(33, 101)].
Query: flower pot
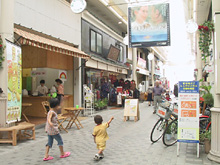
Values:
[(168, 136), (207, 143)]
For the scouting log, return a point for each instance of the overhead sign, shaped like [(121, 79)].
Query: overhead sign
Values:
[(14, 82), (149, 25), (188, 112), (77, 6)]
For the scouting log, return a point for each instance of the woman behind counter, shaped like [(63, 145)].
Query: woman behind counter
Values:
[(60, 91)]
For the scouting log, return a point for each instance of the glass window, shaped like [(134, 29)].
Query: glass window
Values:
[(93, 41), (99, 43)]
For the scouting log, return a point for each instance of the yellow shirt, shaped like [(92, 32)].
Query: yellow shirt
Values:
[(100, 133)]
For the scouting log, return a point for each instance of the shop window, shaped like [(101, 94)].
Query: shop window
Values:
[(95, 42)]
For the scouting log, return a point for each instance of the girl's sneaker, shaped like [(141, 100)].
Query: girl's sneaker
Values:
[(97, 157)]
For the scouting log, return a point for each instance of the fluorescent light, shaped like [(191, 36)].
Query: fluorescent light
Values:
[(115, 12), (104, 2)]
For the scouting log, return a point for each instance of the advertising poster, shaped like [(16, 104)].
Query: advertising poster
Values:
[(14, 82), (188, 113), (149, 25)]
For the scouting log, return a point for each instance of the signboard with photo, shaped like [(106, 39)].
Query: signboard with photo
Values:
[(149, 25)]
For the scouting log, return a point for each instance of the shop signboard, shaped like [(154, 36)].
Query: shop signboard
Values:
[(131, 109), (62, 75), (142, 63), (14, 65), (149, 25), (77, 6), (37, 73), (188, 112)]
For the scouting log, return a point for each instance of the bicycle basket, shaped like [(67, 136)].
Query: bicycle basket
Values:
[(163, 112), (165, 104)]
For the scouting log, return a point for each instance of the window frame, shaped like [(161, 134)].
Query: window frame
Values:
[(90, 41)]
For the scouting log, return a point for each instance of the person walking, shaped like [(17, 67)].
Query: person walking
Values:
[(149, 96), (157, 95)]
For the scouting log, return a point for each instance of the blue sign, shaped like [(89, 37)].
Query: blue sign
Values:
[(188, 86)]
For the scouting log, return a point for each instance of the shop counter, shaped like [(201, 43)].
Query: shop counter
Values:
[(37, 110)]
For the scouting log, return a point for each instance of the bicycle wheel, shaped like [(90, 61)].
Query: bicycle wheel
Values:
[(158, 130), (170, 133)]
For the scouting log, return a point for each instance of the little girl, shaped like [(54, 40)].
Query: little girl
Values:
[(52, 130)]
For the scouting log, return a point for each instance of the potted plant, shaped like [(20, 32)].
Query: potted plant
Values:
[(96, 105), (206, 138), (208, 97)]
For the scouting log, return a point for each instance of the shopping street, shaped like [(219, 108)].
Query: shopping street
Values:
[(129, 143)]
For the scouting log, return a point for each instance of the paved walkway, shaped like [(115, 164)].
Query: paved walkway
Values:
[(129, 144)]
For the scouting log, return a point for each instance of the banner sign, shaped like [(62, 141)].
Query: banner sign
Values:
[(14, 82), (188, 112), (149, 25)]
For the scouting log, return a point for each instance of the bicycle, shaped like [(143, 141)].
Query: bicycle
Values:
[(170, 132), (164, 113)]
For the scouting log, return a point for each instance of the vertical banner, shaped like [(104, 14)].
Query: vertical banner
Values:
[(14, 82), (188, 113), (149, 25)]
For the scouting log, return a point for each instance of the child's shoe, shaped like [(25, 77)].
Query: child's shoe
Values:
[(101, 156), (97, 157)]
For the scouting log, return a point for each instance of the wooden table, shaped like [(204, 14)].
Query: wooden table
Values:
[(73, 112), (24, 108)]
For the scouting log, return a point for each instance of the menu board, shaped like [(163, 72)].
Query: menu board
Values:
[(131, 107), (14, 82), (188, 113)]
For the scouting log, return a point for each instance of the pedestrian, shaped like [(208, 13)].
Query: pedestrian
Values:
[(157, 92), (53, 131), (149, 95), (60, 93), (168, 97), (100, 135)]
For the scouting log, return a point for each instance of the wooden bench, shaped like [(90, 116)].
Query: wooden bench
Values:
[(20, 130)]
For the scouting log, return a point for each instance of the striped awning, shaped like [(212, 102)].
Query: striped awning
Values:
[(31, 39)]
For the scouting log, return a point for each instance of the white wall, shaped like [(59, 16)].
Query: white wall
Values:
[(55, 18), (52, 17)]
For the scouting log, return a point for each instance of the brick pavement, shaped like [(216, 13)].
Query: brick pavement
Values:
[(129, 144)]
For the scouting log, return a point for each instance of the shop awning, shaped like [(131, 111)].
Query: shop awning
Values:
[(27, 38)]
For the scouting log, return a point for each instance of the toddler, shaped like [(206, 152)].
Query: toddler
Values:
[(52, 130), (100, 135)]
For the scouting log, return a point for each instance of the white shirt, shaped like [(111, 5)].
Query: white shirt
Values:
[(42, 90)]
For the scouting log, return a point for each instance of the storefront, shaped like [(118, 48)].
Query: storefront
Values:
[(98, 71), (46, 58)]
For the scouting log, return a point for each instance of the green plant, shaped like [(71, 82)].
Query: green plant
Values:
[(205, 35), (2, 58), (205, 135), (208, 97)]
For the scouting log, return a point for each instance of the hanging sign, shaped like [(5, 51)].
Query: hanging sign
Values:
[(77, 6), (188, 112), (149, 25), (14, 82)]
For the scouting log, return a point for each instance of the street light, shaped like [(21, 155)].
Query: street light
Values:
[(150, 56)]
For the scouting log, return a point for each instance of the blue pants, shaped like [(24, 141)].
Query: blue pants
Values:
[(57, 137)]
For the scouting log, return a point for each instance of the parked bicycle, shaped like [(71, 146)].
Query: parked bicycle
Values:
[(167, 113), (205, 121), (170, 132)]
